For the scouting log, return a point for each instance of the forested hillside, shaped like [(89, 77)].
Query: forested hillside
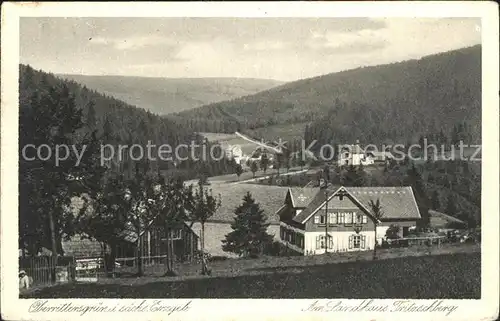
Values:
[(118, 123), (170, 95), (127, 123), (398, 102)]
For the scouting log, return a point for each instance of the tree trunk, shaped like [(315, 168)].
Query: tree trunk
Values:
[(172, 254), (168, 263), (375, 244), (54, 246), (112, 260), (104, 263), (140, 270), (202, 245)]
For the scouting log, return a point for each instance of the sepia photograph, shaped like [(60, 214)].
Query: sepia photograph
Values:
[(250, 157)]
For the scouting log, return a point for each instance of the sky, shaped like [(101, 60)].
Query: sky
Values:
[(283, 49)]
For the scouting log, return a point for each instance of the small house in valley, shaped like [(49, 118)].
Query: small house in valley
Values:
[(340, 219), (443, 222), (354, 155), (154, 239)]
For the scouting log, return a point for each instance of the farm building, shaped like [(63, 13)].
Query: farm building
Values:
[(153, 240), (443, 222), (270, 199), (343, 214), (380, 156), (354, 155), (232, 152), (152, 237)]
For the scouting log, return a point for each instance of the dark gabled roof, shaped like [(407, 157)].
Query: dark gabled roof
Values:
[(396, 202), (381, 155), (314, 204), (81, 247), (302, 196), (444, 216)]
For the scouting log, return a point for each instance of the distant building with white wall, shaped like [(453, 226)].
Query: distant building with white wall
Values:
[(354, 155)]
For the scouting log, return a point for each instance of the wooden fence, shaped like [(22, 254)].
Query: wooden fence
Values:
[(411, 241), (41, 269)]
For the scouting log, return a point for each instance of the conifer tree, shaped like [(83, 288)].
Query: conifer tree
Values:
[(249, 236), (451, 208), (436, 204), (414, 179), (264, 162), (238, 170), (254, 168), (46, 187)]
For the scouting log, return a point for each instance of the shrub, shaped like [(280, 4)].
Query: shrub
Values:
[(393, 232), (216, 258)]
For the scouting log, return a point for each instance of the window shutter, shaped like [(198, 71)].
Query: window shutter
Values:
[(365, 219), (351, 241), (317, 242), (333, 218), (363, 238), (316, 219), (348, 219)]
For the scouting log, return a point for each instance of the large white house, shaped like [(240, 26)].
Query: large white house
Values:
[(340, 219), (233, 152), (354, 155)]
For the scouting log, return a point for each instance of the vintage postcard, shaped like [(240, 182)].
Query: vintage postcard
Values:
[(269, 160)]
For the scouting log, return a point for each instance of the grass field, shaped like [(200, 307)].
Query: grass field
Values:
[(231, 139), (450, 276), (285, 132)]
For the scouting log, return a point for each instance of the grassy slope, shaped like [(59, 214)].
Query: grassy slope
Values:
[(233, 140), (170, 95), (450, 276)]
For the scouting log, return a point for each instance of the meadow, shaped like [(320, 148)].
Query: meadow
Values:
[(443, 276)]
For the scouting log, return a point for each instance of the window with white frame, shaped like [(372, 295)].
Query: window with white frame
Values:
[(321, 242), (319, 219), (357, 241), (341, 218), (360, 218), (348, 218), (332, 219)]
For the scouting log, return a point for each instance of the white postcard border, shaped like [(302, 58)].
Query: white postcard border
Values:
[(18, 309)]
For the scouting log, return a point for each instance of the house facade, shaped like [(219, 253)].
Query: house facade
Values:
[(233, 152), (354, 155), (339, 219), (154, 239)]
